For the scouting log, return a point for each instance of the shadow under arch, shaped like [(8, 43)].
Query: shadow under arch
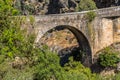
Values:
[(84, 45)]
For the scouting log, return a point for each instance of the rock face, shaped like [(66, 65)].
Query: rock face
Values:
[(62, 6), (45, 6), (107, 3), (59, 40), (56, 6)]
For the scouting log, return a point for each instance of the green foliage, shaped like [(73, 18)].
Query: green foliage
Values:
[(75, 70), (24, 8), (116, 77), (8, 33), (108, 58), (29, 8), (32, 20), (49, 68), (6, 8), (90, 16), (12, 40), (86, 5), (9, 73), (17, 5), (44, 65), (2, 58)]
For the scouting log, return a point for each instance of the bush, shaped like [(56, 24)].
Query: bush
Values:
[(86, 5), (108, 58), (49, 68), (9, 73), (90, 16), (32, 20), (76, 71)]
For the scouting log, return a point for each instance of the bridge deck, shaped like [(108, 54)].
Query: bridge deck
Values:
[(104, 12)]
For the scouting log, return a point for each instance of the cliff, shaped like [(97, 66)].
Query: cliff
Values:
[(37, 7), (45, 6)]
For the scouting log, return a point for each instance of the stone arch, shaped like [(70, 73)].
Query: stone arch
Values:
[(81, 39)]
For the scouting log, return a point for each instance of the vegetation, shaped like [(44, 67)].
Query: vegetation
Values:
[(90, 16), (108, 58), (32, 20), (19, 60), (24, 8), (85, 5), (12, 40)]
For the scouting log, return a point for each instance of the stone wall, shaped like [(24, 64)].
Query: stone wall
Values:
[(116, 29), (103, 34)]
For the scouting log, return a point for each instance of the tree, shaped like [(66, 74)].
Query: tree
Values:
[(86, 5), (12, 39)]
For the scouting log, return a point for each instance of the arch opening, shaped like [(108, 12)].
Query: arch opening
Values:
[(81, 52)]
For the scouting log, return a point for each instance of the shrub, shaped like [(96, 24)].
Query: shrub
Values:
[(9, 73), (108, 58), (8, 32), (75, 70), (32, 20), (86, 5), (48, 67), (90, 16)]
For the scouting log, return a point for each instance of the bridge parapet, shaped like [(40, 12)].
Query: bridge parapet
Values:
[(105, 12), (108, 12)]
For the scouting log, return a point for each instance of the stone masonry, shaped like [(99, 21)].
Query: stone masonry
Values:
[(93, 36)]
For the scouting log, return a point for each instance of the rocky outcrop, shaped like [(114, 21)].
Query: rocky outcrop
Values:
[(62, 6), (56, 6), (45, 6), (107, 3), (59, 41)]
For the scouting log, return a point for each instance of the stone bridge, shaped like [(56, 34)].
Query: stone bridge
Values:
[(93, 36)]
